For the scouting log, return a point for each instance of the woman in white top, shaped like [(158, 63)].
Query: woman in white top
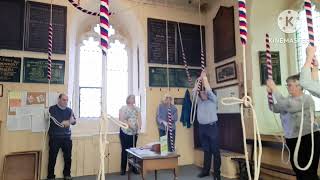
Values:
[(129, 114)]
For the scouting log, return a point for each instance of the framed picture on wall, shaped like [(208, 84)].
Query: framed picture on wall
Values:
[(224, 34), (276, 70), (226, 72), (1, 90)]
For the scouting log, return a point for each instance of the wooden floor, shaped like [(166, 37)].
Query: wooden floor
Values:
[(185, 173)]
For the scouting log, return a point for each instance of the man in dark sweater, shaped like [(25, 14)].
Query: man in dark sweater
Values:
[(60, 137)]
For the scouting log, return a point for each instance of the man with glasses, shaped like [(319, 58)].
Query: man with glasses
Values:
[(208, 127)]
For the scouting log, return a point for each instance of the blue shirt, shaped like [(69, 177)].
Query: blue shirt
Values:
[(207, 109), (162, 115)]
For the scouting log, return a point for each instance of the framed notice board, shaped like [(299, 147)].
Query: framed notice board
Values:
[(10, 68), (11, 23), (177, 77), (190, 35), (35, 71), (224, 34), (157, 42), (37, 22), (276, 69)]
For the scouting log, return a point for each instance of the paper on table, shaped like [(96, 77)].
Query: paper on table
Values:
[(144, 152), (164, 145)]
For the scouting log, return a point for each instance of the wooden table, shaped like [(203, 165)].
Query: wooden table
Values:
[(146, 160)]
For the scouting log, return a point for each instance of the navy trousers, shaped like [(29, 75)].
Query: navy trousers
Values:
[(209, 138)]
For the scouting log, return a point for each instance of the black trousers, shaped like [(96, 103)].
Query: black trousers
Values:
[(126, 143), (304, 156), (209, 137), (54, 146)]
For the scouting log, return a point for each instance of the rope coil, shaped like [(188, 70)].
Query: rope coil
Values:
[(246, 100), (308, 10), (296, 149), (270, 99), (103, 140), (116, 121)]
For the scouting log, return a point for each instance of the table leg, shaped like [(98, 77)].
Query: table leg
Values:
[(129, 173), (175, 174), (243, 171), (142, 173), (155, 174)]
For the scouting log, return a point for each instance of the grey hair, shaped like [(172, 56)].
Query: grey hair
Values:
[(295, 77), (130, 96), (165, 97)]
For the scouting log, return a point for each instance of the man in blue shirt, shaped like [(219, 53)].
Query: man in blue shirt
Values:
[(60, 137), (208, 128)]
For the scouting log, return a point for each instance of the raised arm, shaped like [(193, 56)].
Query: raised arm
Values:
[(309, 78), (310, 54), (195, 88), (315, 71), (211, 95)]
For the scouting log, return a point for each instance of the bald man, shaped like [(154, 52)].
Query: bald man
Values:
[(60, 137)]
